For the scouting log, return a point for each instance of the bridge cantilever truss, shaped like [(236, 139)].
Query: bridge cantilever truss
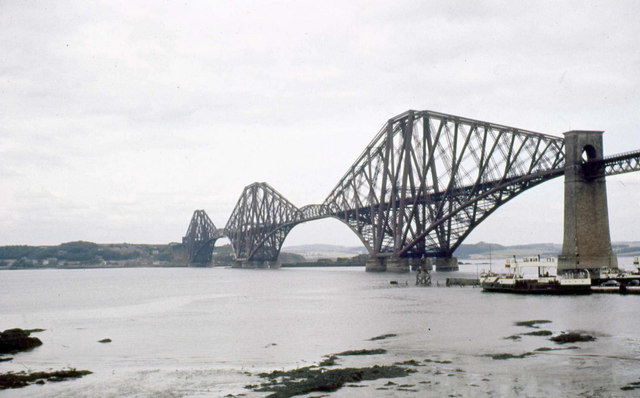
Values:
[(418, 189), (260, 222), (200, 238), (425, 181)]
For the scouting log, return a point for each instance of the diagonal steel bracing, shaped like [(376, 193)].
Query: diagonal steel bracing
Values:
[(620, 163), (427, 179), (200, 238), (420, 187), (260, 222)]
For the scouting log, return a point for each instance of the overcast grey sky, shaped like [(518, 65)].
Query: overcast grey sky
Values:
[(119, 118)]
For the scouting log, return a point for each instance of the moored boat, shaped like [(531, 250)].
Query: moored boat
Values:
[(520, 278), (633, 287), (610, 286), (604, 280)]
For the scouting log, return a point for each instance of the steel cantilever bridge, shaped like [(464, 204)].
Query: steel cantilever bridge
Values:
[(418, 189)]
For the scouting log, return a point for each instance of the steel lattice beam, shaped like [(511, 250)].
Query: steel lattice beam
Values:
[(620, 163), (419, 188), (260, 222), (200, 238), (427, 179)]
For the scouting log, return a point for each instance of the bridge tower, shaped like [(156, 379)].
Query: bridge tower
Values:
[(200, 239), (587, 241)]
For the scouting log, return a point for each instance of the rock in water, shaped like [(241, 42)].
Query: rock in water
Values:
[(571, 337), (14, 340)]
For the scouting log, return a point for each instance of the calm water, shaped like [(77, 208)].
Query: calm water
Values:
[(206, 332)]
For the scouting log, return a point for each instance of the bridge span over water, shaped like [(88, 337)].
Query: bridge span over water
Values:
[(424, 182)]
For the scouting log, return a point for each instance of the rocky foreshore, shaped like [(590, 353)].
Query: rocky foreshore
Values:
[(420, 375), (14, 341)]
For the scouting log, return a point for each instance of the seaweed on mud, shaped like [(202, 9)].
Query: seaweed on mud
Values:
[(514, 337), (300, 381), (573, 347), (504, 356), (571, 337), (376, 351), (538, 333), (22, 379), (631, 386), (532, 323), (437, 361), (410, 362), (330, 360), (16, 340), (382, 337)]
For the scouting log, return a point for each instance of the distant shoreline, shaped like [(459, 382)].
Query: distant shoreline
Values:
[(305, 265), (88, 255)]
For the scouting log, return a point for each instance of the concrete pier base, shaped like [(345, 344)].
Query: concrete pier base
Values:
[(446, 264), (387, 264), (415, 263), (397, 265), (375, 264), (257, 264)]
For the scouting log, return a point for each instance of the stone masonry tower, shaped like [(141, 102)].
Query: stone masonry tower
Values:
[(587, 242)]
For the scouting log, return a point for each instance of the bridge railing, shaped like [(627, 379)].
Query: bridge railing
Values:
[(619, 163), (620, 156)]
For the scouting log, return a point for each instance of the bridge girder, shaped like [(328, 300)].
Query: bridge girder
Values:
[(419, 188), (427, 179), (620, 163), (260, 222), (200, 238)]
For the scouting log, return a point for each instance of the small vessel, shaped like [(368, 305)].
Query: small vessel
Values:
[(628, 281), (633, 287), (610, 286), (522, 278)]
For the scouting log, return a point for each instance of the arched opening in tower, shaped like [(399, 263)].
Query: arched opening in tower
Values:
[(588, 153)]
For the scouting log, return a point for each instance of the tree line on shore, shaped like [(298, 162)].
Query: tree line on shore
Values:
[(88, 254), (82, 253)]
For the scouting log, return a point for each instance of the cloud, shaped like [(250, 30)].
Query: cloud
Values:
[(180, 108)]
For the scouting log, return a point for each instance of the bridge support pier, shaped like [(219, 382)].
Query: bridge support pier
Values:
[(587, 241), (257, 264), (444, 264), (388, 264), (400, 264), (375, 264)]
